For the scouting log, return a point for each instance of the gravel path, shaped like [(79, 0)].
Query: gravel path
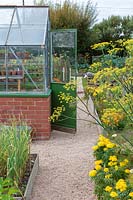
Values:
[(65, 160)]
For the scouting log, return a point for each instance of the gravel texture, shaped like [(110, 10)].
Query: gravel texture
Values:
[(65, 161)]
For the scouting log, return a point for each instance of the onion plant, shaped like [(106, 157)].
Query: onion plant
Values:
[(14, 150)]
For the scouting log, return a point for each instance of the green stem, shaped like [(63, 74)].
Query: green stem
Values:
[(89, 113), (127, 140)]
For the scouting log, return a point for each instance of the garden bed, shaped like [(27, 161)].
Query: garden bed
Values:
[(29, 177)]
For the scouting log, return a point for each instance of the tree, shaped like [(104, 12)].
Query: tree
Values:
[(113, 28)]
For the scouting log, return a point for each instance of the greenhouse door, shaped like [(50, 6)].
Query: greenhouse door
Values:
[(63, 62)]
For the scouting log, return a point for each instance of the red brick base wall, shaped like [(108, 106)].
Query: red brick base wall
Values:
[(35, 111)]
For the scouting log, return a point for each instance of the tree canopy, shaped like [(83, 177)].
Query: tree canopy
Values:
[(113, 28)]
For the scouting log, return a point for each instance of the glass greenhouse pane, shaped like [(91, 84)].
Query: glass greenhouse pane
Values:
[(28, 26), (5, 20), (26, 36), (33, 16), (25, 26), (23, 70), (64, 55), (24, 46), (63, 39)]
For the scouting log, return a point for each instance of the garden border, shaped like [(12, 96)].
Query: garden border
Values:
[(28, 190)]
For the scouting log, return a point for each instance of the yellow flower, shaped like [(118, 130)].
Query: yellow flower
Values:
[(116, 168), (121, 185), (105, 149), (122, 164), (101, 144), (131, 194), (98, 162), (108, 176), (100, 45), (110, 163), (95, 147), (127, 171), (98, 167), (126, 161), (113, 194), (112, 117), (106, 169), (113, 158), (110, 145), (92, 173), (108, 189)]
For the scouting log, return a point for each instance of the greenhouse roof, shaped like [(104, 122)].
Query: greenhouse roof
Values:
[(23, 25)]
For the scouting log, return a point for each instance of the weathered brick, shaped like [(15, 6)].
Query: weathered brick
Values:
[(33, 110)]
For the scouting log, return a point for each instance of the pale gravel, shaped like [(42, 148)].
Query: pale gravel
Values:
[(64, 163)]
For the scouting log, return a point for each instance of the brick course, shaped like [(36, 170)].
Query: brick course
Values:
[(35, 111)]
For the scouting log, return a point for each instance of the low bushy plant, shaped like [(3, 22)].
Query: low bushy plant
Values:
[(7, 189), (111, 171)]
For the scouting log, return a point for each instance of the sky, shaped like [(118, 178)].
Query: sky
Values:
[(105, 8)]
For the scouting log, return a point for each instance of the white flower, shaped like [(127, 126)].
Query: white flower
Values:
[(131, 171), (114, 135)]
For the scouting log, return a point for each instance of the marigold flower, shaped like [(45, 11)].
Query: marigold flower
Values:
[(127, 171), (126, 161), (122, 164), (121, 185), (113, 158), (108, 176), (95, 147), (92, 173), (101, 144), (131, 194), (98, 162), (98, 167), (106, 169), (116, 167), (108, 188), (113, 194), (110, 145), (110, 164)]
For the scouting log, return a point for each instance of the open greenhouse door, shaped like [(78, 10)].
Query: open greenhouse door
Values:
[(64, 70)]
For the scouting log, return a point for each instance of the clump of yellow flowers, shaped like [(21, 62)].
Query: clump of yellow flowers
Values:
[(112, 117), (110, 172)]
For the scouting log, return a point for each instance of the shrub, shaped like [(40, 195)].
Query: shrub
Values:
[(111, 171)]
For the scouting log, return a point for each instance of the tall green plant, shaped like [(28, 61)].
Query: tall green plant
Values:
[(14, 144)]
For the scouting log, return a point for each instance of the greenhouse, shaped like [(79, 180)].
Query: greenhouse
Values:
[(24, 46), (35, 63)]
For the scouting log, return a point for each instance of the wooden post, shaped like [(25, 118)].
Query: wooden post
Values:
[(19, 84)]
